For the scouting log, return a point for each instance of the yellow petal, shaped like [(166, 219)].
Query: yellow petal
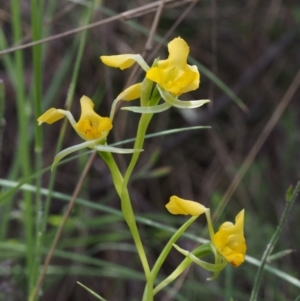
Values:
[(181, 206), (194, 81), (174, 74), (131, 93), (230, 241), (178, 52), (91, 125), (50, 116), (121, 61), (124, 61)]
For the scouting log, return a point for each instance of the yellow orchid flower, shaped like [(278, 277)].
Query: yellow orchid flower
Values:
[(173, 77), (227, 245), (90, 127), (178, 205), (174, 74), (230, 242)]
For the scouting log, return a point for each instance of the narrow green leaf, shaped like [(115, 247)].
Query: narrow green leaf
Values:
[(91, 292), (280, 255), (289, 193)]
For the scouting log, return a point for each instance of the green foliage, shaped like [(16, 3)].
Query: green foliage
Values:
[(232, 45)]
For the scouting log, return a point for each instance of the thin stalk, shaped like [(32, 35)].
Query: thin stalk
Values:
[(61, 73), (126, 205), (180, 269), (129, 216), (60, 229), (228, 283), (4, 218), (139, 143), (69, 101), (79, 56), (36, 24), (144, 9), (23, 150), (160, 260), (163, 255), (61, 138), (6, 59), (140, 136), (290, 199), (12, 174), (2, 121)]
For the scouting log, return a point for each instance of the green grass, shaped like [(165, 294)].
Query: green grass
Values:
[(96, 247)]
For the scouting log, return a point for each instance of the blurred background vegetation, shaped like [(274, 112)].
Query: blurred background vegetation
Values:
[(248, 56)]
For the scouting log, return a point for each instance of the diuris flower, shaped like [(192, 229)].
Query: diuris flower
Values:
[(174, 74), (181, 206), (90, 127), (229, 241), (227, 245)]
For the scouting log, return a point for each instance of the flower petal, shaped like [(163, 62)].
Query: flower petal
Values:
[(124, 61), (174, 74), (181, 206), (178, 52), (91, 126), (230, 241), (194, 84), (131, 93), (50, 116)]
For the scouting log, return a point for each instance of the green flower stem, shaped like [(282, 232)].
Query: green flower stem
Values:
[(199, 252), (139, 142), (126, 202), (179, 270), (209, 224), (129, 216), (142, 127), (146, 89), (290, 199), (160, 260), (121, 183)]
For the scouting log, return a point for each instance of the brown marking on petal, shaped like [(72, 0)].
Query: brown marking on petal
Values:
[(233, 264)]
